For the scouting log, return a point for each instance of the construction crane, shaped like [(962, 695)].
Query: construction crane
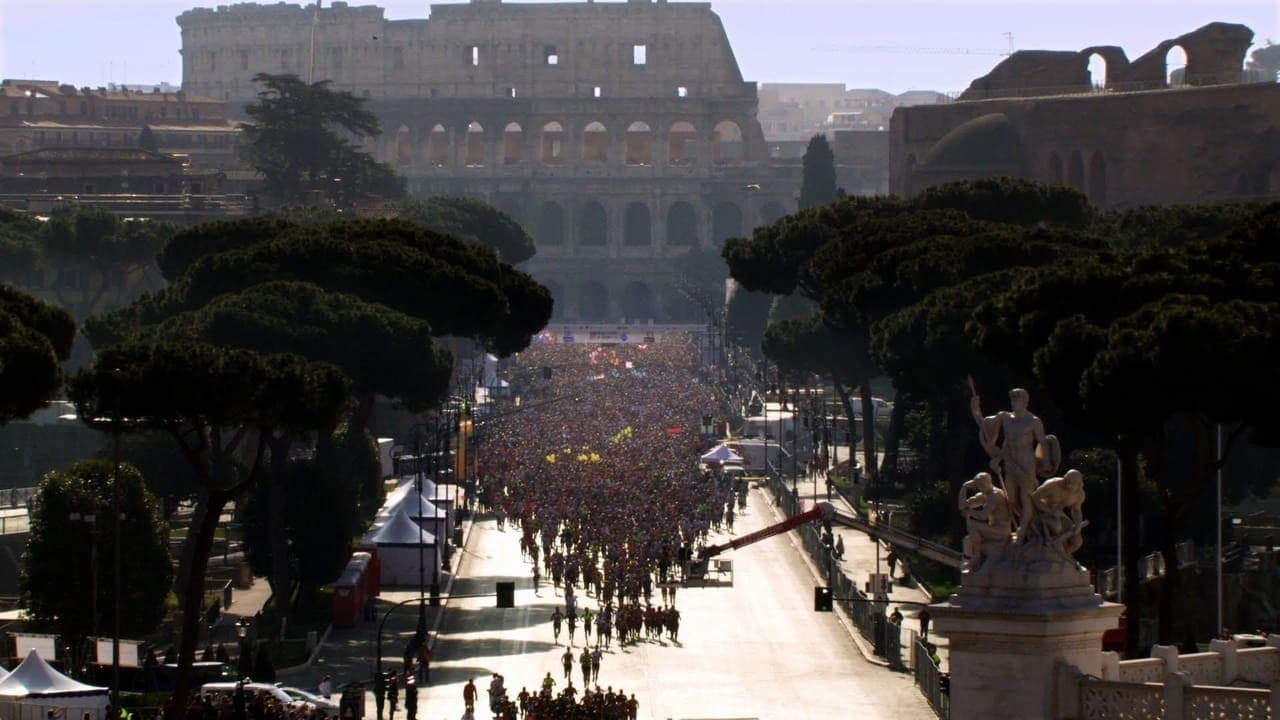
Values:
[(913, 50)]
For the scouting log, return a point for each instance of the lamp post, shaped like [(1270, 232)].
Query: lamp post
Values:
[(115, 513), (242, 635), (91, 520)]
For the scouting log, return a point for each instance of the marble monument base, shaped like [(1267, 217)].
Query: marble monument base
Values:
[(1010, 625)]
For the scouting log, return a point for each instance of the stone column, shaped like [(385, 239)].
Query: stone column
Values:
[(1009, 625)]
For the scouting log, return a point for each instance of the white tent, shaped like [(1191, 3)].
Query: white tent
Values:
[(401, 545), (34, 688), (722, 454)]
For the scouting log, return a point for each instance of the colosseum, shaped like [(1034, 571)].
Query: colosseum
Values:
[(621, 135)]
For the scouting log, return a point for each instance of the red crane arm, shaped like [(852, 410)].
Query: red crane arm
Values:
[(818, 511)]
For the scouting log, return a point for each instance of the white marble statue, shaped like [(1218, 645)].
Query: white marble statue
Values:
[(1020, 452), (987, 520)]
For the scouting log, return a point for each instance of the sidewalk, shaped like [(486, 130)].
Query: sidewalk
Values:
[(860, 562)]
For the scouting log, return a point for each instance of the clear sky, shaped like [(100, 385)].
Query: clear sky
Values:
[(861, 43)]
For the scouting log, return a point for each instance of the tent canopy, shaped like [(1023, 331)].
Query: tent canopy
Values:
[(721, 454), (36, 678), (399, 530)]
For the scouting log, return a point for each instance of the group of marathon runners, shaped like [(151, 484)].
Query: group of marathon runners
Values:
[(546, 704), (609, 503)]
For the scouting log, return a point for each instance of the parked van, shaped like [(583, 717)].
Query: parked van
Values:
[(220, 690)]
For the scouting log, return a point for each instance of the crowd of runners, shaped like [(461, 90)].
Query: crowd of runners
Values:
[(544, 703), (597, 472)]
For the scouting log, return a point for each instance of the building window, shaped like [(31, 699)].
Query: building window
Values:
[(511, 92), (596, 92), (13, 107), (84, 108), (639, 54), (473, 56), (682, 91), (552, 57)]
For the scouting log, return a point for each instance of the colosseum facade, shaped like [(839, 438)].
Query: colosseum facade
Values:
[(621, 135)]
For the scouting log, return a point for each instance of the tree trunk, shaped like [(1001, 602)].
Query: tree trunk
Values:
[(202, 534), (869, 464), (277, 537), (1170, 585), (889, 467), (1131, 552)]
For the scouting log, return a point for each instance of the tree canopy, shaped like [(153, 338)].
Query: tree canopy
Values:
[(471, 220), (34, 340), (63, 551), (303, 138), (818, 182)]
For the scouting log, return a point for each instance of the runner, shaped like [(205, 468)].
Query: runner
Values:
[(469, 695), (567, 661), (556, 619)]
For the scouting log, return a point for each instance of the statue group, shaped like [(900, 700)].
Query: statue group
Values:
[(1020, 508)]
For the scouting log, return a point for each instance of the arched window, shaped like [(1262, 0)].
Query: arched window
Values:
[(475, 145), (726, 143), (593, 301), (512, 144), (1098, 71), (595, 143), (1175, 66), (1055, 168), (1098, 180), (637, 302), (552, 144), (594, 230), (680, 141), (551, 224), (639, 144), (682, 225), (557, 298), (726, 222), (772, 212), (636, 228), (1075, 171), (438, 146), (404, 146)]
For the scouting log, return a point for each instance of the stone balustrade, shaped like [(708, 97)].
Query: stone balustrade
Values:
[(1173, 686)]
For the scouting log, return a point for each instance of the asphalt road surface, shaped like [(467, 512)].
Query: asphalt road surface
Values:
[(752, 649)]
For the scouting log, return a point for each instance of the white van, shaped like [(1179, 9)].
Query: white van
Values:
[(251, 689)]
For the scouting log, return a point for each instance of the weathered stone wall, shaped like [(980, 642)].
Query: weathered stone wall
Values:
[(1123, 149), (621, 135)]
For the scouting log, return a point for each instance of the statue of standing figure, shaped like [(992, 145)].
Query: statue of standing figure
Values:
[(1020, 453)]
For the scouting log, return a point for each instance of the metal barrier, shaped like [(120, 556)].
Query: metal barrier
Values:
[(868, 617), (17, 497), (933, 683)]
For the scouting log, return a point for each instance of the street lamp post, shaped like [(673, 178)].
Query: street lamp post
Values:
[(115, 513)]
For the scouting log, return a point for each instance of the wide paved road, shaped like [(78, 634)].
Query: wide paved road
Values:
[(753, 650)]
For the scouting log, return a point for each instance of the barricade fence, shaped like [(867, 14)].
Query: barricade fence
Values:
[(869, 617)]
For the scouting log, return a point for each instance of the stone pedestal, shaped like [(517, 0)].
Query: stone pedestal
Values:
[(1010, 625)]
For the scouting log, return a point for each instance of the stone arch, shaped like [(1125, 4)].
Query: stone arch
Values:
[(678, 307), (680, 140), (682, 225), (595, 142), (1176, 60), (637, 301), (727, 144), (557, 298), (638, 144), (438, 146), (1098, 69), (1098, 179), (772, 212), (552, 144), (551, 224), (636, 227), (593, 301), (512, 144), (404, 146), (726, 222), (1075, 171), (1055, 168), (593, 231), (513, 206), (473, 153)]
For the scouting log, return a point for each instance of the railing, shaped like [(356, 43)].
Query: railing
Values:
[(1225, 703), (17, 497), (1142, 671), (1258, 665), (1108, 700), (931, 680), (1204, 668)]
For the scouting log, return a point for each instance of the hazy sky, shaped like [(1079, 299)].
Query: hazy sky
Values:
[(862, 43)]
